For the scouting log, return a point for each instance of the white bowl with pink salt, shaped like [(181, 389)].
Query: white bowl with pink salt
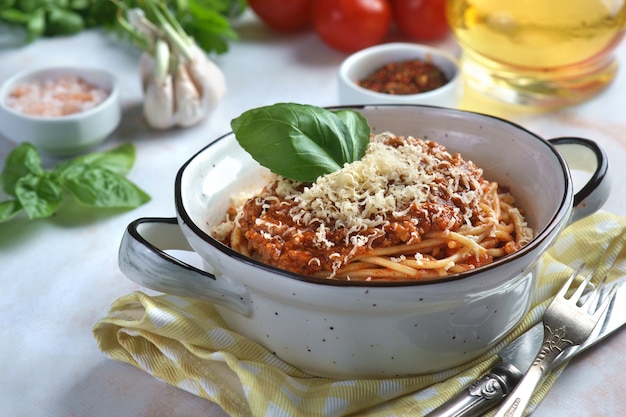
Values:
[(62, 111)]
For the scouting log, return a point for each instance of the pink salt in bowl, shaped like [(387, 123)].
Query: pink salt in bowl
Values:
[(62, 110)]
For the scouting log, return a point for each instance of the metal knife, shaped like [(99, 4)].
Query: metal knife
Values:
[(486, 393)]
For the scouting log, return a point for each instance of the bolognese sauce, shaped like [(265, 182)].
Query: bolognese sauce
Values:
[(408, 209)]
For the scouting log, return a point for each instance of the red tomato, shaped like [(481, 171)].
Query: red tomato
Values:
[(282, 15), (351, 25), (422, 20)]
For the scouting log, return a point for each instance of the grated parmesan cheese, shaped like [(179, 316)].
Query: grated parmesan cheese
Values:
[(401, 189), (385, 183)]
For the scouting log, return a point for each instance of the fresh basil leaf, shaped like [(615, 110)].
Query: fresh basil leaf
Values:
[(13, 15), (23, 160), (8, 209), (36, 25), (98, 187), (95, 179), (79, 4), (40, 196), (29, 6), (118, 160), (63, 21), (299, 141), (359, 131)]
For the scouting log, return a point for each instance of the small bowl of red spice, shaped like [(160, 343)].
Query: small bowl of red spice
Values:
[(400, 73), (61, 110)]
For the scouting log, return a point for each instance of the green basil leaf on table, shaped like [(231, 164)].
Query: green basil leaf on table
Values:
[(80, 4), (118, 160), (63, 21), (95, 179), (8, 209), (23, 160), (13, 15), (33, 20), (302, 142), (98, 187), (38, 195), (208, 21), (36, 25)]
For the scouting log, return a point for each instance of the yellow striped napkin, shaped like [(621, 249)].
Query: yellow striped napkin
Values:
[(185, 343)]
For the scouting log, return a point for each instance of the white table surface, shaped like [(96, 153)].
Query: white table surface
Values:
[(59, 276)]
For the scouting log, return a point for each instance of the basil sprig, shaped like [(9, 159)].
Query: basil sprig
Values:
[(94, 180), (302, 142)]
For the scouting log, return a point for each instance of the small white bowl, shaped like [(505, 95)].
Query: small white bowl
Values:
[(361, 64), (68, 134)]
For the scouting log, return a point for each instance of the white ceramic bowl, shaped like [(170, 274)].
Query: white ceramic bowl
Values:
[(62, 135), (350, 329), (361, 64)]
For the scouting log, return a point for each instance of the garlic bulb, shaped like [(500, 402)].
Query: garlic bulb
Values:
[(207, 76), (181, 85), (157, 84)]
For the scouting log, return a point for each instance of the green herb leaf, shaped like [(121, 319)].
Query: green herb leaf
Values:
[(13, 15), (99, 187), (8, 209), (208, 21), (36, 25), (23, 160), (39, 196), (63, 21), (95, 180), (357, 125), (302, 142), (119, 160)]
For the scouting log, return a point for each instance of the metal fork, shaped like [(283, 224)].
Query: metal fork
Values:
[(566, 326)]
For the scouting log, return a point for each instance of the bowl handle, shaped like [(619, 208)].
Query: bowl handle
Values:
[(586, 155), (142, 258)]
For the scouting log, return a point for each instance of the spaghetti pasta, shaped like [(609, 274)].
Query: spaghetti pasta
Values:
[(407, 210)]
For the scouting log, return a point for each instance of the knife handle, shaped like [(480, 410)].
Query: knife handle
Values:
[(482, 395)]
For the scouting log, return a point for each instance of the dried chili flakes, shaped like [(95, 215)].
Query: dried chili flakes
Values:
[(405, 77)]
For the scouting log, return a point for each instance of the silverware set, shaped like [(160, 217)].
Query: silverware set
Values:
[(570, 324)]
